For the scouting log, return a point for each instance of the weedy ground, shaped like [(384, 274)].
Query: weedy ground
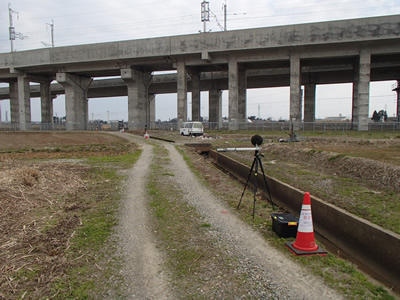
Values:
[(58, 207)]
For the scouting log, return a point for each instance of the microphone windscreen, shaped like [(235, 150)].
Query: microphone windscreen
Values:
[(256, 140)]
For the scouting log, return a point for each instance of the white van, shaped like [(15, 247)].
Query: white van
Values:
[(191, 128)]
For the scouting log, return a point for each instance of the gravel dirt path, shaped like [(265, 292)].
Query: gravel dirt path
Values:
[(275, 276), (264, 263), (144, 276)]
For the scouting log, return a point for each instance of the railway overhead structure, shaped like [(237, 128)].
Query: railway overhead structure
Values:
[(357, 51)]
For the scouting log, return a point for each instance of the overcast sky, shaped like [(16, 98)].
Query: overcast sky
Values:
[(82, 22)]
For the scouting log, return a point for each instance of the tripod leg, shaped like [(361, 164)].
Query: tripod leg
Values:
[(255, 188), (265, 182), (247, 183)]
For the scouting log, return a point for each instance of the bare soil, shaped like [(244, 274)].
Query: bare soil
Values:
[(20, 140)]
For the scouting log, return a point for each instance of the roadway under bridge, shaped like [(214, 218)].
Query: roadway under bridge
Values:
[(355, 51)]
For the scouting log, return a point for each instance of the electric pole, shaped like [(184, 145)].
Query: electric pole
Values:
[(52, 32), (11, 28), (12, 32), (205, 13), (225, 28), (397, 90)]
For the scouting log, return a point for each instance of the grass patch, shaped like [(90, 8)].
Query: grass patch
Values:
[(98, 220), (94, 266), (335, 157), (125, 160)]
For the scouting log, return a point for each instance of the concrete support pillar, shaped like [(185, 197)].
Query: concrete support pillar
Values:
[(397, 89), (195, 96), (309, 102), (362, 76), (13, 88), (46, 101), (24, 103), (242, 105), (215, 108), (152, 110), (136, 82), (295, 91), (76, 101), (181, 93), (354, 111), (233, 84)]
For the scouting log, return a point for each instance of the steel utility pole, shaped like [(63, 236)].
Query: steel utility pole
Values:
[(52, 32), (205, 13), (12, 32), (397, 90), (11, 28), (225, 28)]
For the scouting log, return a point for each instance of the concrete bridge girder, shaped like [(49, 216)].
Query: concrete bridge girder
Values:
[(357, 51)]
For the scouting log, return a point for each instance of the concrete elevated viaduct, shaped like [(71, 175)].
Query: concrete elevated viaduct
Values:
[(356, 51)]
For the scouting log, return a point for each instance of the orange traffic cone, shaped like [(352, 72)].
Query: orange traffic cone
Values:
[(305, 243)]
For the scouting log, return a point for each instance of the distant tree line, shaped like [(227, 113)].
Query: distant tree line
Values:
[(380, 116)]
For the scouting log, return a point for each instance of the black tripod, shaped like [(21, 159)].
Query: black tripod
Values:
[(256, 162)]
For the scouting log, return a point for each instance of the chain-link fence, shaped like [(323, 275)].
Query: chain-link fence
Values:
[(34, 126)]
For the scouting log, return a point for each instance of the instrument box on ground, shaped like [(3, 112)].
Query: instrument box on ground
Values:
[(285, 225)]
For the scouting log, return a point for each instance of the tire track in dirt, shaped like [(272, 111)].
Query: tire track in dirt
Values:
[(144, 276)]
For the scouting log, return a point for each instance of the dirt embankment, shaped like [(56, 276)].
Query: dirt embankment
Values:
[(379, 174)]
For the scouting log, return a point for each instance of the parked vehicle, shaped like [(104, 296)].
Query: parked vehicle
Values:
[(192, 128)]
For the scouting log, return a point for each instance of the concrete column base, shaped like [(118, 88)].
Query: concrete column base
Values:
[(295, 92), (76, 101), (233, 84), (46, 102), (195, 95), (181, 93), (309, 105), (24, 103), (14, 106), (136, 82), (215, 108), (152, 109), (242, 101), (363, 90)]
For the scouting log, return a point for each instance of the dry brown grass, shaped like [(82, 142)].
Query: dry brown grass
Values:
[(31, 240), (379, 174), (18, 140)]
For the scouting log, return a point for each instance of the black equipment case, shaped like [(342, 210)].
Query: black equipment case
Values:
[(285, 225)]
